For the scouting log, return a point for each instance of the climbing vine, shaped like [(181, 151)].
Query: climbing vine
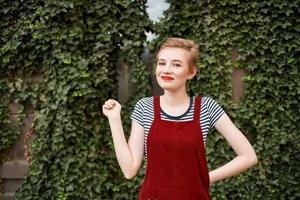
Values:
[(265, 35), (75, 47)]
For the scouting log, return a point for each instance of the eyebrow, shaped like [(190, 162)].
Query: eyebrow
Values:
[(176, 60)]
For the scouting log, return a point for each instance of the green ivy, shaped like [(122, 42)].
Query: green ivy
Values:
[(75, 46), (266, 36)]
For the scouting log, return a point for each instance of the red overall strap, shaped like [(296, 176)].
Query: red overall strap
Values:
[(197, 109), (156, 108)]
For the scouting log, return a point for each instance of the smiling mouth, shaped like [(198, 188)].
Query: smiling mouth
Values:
[(167, 78)]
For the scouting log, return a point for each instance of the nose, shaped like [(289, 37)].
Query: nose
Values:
[(167, 68)]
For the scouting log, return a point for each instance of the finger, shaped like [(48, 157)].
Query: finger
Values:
[(112, 104), (107, 106), (111, 101), (104, 107)]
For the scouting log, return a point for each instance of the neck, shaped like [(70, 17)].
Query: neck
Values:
[(171, 98)]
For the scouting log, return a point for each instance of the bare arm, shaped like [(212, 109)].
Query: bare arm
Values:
[(129, 155), (246, 156)]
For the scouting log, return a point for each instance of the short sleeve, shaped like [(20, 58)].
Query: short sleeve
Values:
[(215, 111), (137, 113)]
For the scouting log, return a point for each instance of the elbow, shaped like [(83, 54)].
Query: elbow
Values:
[(253, 160), (249, 160), (131, 172), (130, 175)]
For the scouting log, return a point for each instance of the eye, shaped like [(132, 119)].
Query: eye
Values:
[(161, 63), (177, 65)]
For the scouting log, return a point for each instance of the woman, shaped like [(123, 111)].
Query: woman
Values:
[(172, 130)]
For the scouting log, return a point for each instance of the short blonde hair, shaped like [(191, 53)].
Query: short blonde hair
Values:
[(190, 46)]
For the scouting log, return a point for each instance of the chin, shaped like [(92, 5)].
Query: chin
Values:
[(167, 88)]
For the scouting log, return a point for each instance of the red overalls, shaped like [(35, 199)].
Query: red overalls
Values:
[(176, 160)]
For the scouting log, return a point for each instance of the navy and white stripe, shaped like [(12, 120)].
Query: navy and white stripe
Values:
[(143, 114)]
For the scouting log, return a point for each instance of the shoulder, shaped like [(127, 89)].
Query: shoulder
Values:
[(143, 110), (212, 109), (145, 101), (209, 102), (211, 106), (207, 99)]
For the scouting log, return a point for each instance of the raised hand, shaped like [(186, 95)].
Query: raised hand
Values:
[(111, 108)]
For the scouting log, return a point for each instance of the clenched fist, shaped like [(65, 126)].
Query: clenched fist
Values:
[(111, 108)]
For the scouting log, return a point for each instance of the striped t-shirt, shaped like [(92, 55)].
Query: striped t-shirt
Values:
[(143, 113)]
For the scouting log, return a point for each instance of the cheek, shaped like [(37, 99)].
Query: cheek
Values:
[(157, 70), (181, 74)]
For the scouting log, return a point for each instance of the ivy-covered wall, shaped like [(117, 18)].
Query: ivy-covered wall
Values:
[(75, 46), (263, 38)]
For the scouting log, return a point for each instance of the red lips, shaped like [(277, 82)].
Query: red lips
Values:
[(167, 78)]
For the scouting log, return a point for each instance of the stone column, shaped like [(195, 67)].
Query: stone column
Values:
[(237, 79), (13, 171)]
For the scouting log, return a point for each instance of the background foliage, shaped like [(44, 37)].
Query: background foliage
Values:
[(75, 46), (265, 35)]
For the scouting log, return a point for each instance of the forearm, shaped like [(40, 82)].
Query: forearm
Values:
[(234, 167), (122, 150)]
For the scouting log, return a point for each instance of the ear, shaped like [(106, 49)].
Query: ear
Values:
[(192, 73)]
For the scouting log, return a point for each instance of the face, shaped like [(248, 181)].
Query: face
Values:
[(172, 69)]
